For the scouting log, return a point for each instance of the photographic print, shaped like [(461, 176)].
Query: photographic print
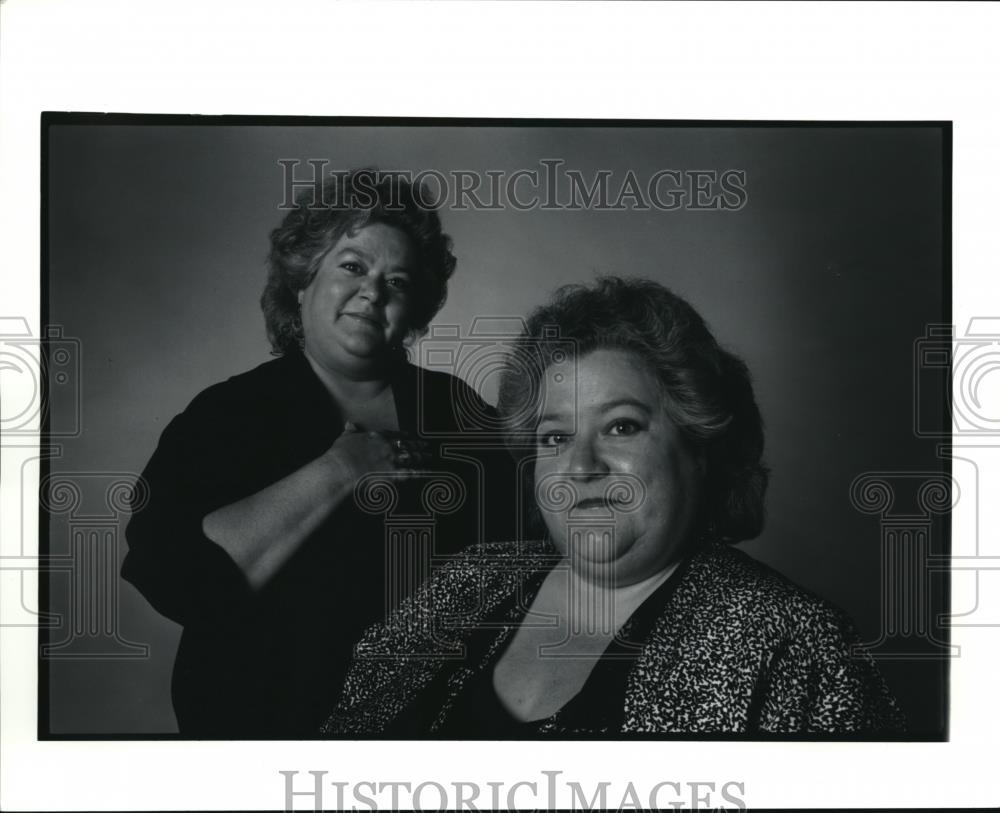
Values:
[(495, 406), (485, 429)]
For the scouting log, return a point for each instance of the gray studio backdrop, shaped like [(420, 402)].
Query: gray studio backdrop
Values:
[(822, 280)]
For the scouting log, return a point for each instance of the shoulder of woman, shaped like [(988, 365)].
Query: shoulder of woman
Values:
[(469, 585), (497, 567), (283, 371), (395, 658), (442, 385), (724, 580), (266, 393)]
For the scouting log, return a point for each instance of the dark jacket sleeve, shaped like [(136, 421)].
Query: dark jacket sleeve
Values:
[(194, 470)]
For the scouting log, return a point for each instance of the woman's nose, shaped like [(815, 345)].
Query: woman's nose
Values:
[(371, 288), (584, 459)]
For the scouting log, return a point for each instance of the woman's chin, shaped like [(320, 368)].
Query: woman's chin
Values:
[(595, 558), (607, 574)]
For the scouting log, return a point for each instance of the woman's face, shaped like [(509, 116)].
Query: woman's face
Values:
[(616, 483), (359, 304)]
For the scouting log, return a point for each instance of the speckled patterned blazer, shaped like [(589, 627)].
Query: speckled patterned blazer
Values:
[(735, 649)]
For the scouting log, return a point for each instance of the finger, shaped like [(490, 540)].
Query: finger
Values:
[(413, 440), (413, 460), (421, 459), (408, 438), (407, 474), (407, 454)]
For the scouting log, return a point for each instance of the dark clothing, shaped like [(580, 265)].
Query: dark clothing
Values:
[(725, 646), (270, 663)]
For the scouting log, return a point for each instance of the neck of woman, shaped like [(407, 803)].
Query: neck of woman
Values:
[(588, 609), (356, 386)]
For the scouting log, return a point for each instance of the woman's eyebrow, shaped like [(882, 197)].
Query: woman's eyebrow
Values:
[(626, 401), (550, 417), (555, 417), (368, 258), (360, 252)]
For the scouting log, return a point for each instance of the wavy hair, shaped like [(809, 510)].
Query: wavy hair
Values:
[(707, 390), (345, 203)]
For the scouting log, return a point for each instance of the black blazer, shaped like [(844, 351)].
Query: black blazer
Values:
[(271, 664)]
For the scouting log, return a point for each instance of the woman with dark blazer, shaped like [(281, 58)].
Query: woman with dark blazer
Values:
[(259, 536)]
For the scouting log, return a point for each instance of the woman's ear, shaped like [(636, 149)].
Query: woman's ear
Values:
[(300, 294), (699, 453)]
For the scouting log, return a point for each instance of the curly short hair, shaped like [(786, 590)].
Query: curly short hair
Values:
[(344, 203), (707, 390)]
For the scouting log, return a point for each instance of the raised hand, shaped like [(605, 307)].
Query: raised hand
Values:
[(358, 452)]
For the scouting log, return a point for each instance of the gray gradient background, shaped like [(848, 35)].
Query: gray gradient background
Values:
[(822, 282)]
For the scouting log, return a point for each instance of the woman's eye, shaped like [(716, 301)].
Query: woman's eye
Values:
[(352, 267), (624, 428), (399, 283), (552, 439)]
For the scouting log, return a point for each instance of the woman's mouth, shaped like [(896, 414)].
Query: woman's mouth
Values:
[(593, 502), (599, 504), (365, 318)]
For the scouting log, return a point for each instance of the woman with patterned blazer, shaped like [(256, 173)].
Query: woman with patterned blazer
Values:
[(640, 444)]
